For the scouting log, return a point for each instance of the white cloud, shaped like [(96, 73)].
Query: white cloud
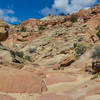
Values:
[(7, 15), (47, 11), (66, 7)]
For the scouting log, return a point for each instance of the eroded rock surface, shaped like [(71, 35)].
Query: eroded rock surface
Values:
[(14, 81), (3, 30), (35, 47)]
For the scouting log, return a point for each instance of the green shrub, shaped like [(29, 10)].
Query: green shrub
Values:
[(19, 54), (98, 30), (98, 34), (80, 49), (28, 58), (73, 18), (23, 61), (98, 27)]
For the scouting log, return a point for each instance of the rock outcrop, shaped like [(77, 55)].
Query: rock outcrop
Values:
[(5, 54), (3, 30), (63, 43), (64, 62)]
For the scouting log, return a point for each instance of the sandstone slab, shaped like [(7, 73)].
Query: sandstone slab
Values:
[(15, 81), (5, 97)]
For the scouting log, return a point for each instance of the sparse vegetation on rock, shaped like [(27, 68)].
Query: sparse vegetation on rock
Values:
[(80, 49), (73, 18), (39, 48), (19, 54), (28, 58)]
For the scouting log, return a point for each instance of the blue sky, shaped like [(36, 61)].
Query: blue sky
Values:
[(15, 11)]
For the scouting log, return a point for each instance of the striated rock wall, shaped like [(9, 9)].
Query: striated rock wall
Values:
[(3, 30)]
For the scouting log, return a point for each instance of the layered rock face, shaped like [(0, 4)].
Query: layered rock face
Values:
[(64, 62), (55, 37), (3, 30), (4, 33), (5, 54)]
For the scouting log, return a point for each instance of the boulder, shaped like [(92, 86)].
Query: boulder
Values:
[(20, 38), (68, 24), (5, 54), (24, 34), (64, 62)]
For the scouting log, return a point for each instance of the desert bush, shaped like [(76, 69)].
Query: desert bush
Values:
[(80, 49), (98, 30), (28, 58), (98, 34), (19, 54), (73, 18), (23, 61)]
